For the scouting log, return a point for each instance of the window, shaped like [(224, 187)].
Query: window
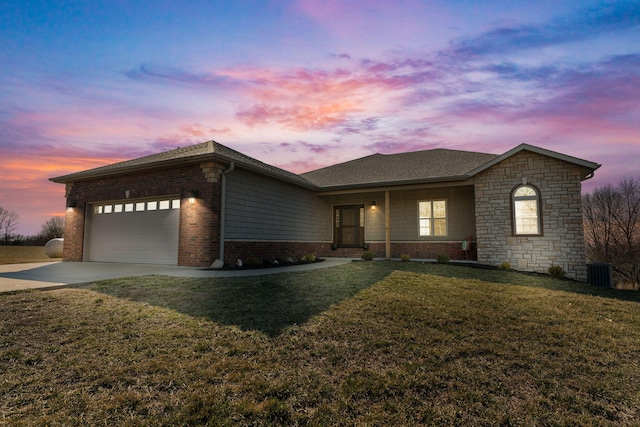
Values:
[(432, 217), (526, 211), (151, 205)]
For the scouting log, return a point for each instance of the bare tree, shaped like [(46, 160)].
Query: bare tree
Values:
[(612, 228), (8, 224), (52, 228)]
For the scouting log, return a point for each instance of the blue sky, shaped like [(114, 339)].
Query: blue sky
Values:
[(304, 84)]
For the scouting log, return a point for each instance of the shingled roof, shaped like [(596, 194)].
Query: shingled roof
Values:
[(389, 169), (377, 170), (205, 151)]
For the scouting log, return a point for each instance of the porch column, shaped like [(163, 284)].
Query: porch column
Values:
[(387, 225)]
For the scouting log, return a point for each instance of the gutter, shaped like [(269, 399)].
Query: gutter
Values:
[(223, 197)]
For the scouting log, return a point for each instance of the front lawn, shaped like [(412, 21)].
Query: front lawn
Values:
[(359, 344)]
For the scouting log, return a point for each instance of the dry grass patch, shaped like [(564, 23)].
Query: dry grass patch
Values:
[(355, 349), (23, 254)]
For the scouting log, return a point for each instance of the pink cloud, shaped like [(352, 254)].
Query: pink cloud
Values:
[(304, 99), (314, 98), (298, 117)]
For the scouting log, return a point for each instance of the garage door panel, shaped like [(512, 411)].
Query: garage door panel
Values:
[(138, 236)]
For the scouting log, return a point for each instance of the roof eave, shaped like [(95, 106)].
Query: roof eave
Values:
[(125, 170), (248, 166)]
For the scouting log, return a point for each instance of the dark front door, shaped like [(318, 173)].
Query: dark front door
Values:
[(349, 226)]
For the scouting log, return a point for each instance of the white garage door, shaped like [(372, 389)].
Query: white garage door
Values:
[(143, 232)]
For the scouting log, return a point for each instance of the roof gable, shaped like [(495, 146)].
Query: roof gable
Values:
[(589, 167)]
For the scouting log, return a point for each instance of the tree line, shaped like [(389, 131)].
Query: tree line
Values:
[(612, 229), (9, 220)]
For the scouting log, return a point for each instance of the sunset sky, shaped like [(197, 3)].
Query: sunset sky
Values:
[(309, 83)]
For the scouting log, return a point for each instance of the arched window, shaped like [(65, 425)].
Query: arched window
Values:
[(526, 211)]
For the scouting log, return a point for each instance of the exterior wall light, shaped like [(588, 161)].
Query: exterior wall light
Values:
[(192, 196), (373, 204), (71, 205)]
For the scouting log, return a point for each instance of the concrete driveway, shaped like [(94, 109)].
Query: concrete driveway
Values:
[(16, 277)]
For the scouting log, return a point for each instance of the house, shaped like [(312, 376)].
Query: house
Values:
[(196, 204)]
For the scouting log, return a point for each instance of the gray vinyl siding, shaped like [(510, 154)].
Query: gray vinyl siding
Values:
[(260, 208), (460, 213)]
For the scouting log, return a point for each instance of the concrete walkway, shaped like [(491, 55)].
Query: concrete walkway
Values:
[(16, 277)]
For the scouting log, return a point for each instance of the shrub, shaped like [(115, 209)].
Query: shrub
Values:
[(367, 255), (309, 258), (505, 266), (556, 271), (405, 257), (443, 259)]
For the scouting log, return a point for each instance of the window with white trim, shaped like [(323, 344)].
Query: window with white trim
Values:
[(432, 218), (526, 211)]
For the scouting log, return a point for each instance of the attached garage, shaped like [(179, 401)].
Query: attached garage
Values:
[(141, 231)]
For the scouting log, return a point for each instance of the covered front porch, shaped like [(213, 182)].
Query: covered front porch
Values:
[(424, 221)]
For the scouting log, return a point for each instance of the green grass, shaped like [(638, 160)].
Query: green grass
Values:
[(22, 254), (359, 344)]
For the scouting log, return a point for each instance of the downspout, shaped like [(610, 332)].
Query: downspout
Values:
[(223, 197)]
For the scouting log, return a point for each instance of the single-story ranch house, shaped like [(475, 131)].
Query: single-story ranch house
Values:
[(193, 205)]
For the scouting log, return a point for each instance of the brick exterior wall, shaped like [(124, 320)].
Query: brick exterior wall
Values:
[(199, 223), (73, 230), (562, 242)]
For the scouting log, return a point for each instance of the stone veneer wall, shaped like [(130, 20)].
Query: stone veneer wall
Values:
[(199, 223), (562, 242)]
